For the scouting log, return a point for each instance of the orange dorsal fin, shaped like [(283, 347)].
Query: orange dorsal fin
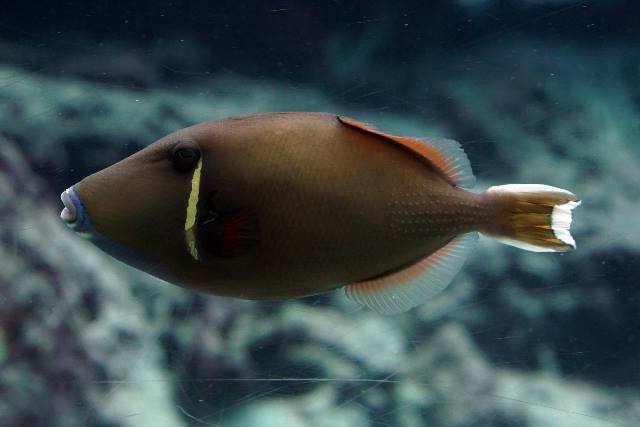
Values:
[(402, 290), (445, 155)]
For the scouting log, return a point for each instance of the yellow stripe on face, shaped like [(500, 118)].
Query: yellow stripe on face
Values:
[(192, 211)]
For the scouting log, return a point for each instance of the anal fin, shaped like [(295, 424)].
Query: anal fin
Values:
[(402, 290)]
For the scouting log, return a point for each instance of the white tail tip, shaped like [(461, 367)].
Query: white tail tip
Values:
[(561, 222)]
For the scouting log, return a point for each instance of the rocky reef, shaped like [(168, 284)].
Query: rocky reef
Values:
[(519, 339)]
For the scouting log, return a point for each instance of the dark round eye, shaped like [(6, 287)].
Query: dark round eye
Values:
[(185, 156)]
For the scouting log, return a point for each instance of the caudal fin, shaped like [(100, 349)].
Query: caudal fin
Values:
[(534, 217)]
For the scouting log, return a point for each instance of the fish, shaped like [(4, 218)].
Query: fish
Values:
[(286, 205)]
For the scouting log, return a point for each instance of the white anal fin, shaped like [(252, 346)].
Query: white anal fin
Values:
[(402, 290)]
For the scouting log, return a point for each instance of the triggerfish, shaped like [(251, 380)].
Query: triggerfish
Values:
[(283, 205)]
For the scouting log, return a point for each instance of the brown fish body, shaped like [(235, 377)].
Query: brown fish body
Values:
[(333, 203)]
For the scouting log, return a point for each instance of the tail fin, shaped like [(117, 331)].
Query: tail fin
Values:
[(532, 216)]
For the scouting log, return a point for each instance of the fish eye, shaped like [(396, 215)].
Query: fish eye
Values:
[(185, 156)]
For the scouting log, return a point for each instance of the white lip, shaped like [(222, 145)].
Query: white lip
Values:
[(68, 214)]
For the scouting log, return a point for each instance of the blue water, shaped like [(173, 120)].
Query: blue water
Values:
[(535, 91)]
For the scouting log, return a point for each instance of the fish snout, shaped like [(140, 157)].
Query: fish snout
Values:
[(69, 213), (74, 214)]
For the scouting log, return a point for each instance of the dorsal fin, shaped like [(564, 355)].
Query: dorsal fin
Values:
[(402, 290), (446, 155)]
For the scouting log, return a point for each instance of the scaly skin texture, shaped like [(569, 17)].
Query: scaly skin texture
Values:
[(334, 205)]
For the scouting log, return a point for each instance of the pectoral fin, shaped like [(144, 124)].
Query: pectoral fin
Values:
[(229, 234)]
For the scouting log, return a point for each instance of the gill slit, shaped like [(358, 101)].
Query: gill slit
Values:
[(192, 212)]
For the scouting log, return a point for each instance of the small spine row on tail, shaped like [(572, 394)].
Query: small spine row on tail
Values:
[(533, 217)]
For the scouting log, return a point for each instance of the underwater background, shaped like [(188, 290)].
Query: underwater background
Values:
[(537, 91)]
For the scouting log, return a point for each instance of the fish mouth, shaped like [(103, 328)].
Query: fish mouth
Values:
[(74, 214), (69, 213)]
